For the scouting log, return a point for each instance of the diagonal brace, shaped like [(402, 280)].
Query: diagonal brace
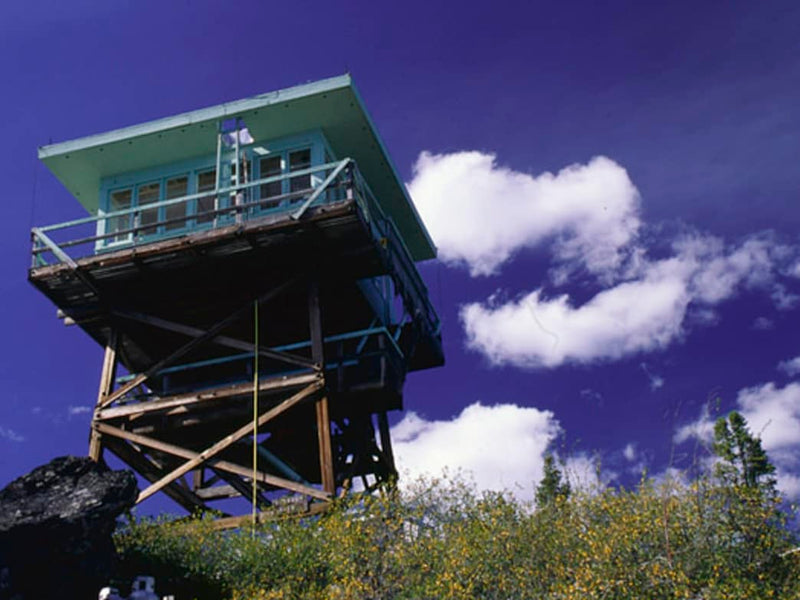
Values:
[(194, 343), (215, 449), (222, 340)]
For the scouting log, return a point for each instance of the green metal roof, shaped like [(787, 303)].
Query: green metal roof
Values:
[(332, 105)]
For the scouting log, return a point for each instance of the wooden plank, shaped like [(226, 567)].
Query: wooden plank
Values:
[(195, 342), (107, 375), (192, 398), (325, 447), (244, 488), (327, 475), (152, 472), (222, 340), (232, 438), (386, 441), (223, 465), (268, 516), (218, 492)]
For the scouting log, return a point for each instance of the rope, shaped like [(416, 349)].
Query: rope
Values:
[(255, 409)]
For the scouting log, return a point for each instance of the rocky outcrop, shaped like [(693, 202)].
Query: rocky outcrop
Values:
[(55, 529)]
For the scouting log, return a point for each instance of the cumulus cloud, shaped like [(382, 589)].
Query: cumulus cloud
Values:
[(643, 314), (791, 366), (773, 414), (535, 331), (79, 410), (480, 213), (501, 447)]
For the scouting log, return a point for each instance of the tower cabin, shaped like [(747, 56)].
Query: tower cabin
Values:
[(249, 269)]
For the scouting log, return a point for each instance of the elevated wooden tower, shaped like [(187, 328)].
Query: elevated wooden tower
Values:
[(250, 271)]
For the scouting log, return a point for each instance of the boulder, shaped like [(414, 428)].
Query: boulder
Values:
[(55, 529)]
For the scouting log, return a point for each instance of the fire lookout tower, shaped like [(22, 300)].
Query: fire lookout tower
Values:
[(249, 269)]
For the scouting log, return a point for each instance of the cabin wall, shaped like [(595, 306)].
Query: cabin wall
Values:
[(193, 176)]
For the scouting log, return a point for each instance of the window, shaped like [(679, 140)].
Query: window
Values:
[(270, 166), (120, 200), (148, 193), (206, 182), (300, 160), (175, 214), (279, 163)]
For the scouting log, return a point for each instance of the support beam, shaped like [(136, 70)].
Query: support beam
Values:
[(325, 447), (184, 402), (222, 340), (210, 334), (386, 441), (153, 472), (327, 474), (222, 465), (232, 438), (107, 376)]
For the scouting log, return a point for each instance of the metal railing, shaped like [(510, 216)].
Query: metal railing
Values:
[(237, 204)]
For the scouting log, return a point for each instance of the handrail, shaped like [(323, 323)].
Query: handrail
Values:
[(338, 174)]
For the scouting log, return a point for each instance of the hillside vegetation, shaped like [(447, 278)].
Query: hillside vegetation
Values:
[(719, 536)]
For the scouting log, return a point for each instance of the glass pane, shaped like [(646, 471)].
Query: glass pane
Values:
[(148, 194), (120, 200), (299, 160), (270, 166), (206, 182), (176, 213)]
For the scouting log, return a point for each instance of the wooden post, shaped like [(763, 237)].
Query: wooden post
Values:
[(386, 441), (107, 376), (323, 416)]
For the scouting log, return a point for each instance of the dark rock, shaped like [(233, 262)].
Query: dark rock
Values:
[(55, 529)]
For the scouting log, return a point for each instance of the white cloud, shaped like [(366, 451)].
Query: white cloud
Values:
[(631, 317), (79, 410), (656, 381), (791, 366), (763, 324), (502, 447), (629, 452), (645, 313), (773, 414), (479, 213), (10, 435), (702, 429)]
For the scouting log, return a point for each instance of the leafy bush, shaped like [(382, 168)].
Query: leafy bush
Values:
[(707, 539)]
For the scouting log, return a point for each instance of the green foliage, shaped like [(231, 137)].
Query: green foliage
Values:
[(441, 539), (742, 459), (553, 485)]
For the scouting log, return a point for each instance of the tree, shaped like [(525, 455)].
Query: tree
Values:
[(742, 459), (552, 485)]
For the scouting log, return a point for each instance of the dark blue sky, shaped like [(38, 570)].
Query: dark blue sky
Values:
[(697, 103)]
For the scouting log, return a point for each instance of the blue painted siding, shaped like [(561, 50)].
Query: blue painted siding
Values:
[(283, 149)]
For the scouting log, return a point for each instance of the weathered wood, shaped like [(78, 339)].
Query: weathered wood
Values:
[(327, 475), (194, 343), (223, 465), (325, 447), (243, 488), (232, 438), (197, 398), (151, 471), (314, 508), (222, 340), (219, 492), (386, 442), (107, 375)]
